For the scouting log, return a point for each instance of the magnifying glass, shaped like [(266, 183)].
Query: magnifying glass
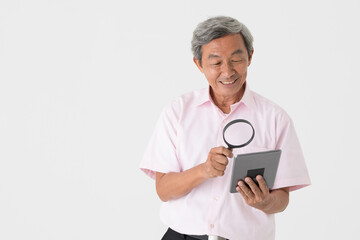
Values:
[(238, 133)]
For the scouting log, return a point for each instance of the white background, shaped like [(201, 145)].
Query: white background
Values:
[(82, 84)]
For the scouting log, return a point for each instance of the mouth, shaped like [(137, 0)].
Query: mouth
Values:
[(229, 83)]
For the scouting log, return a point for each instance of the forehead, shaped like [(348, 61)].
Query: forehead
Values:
[(225, 45)]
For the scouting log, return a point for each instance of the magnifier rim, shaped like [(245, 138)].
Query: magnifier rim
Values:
[(230, 146)]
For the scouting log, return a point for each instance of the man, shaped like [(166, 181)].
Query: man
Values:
[(186, 154)]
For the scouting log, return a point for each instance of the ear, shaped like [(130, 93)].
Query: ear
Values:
[(197, 63), (250, 57)]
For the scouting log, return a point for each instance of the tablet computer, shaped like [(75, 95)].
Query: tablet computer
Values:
[(253, 164)]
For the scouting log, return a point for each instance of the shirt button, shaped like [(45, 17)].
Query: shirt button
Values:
[(215, 199), (211, 225)]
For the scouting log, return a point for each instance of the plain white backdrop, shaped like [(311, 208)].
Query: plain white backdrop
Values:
[(82, 84)]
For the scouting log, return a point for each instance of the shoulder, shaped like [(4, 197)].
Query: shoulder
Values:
[(178, 107), (268, 107), (187, 100)]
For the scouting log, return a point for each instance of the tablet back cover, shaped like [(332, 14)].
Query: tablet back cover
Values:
[(253, 164)]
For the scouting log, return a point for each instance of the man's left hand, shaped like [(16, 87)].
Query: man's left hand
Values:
[(256, 196)]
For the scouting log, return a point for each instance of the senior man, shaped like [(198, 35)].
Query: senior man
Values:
[(186, 154)]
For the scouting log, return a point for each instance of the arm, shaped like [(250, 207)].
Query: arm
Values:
[(174, 185), (280, 200), (261, 198)]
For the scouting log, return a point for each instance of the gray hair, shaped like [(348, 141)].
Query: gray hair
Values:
[(218, 27)]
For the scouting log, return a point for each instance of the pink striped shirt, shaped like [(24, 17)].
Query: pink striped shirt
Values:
[(187, 129)]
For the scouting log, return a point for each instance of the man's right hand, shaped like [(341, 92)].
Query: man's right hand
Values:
[(217, 161)]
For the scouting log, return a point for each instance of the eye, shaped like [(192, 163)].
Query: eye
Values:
[(237, 61), (216, 64)]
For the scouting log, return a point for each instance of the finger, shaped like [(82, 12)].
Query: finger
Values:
[(213, 172), (218, 173), (253, 186), (242, 193), (221, 159), (218, 166), (262, 184), (245, 189), (224, 151)]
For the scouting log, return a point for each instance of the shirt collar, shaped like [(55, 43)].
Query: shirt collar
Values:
[(203, 97), (247, 99)]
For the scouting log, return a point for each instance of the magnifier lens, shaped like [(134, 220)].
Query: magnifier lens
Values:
[(238, 133)]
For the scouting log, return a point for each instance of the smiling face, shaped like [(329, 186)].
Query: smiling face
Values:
[(224, 63)]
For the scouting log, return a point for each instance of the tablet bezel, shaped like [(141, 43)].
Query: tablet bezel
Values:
[(242, 163)]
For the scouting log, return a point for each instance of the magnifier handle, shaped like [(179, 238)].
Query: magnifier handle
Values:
[(231, 149)]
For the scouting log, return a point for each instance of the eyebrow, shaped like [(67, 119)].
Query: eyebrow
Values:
[(239, 51), (213, 56)]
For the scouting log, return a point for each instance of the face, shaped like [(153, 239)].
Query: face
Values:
[(224, 63)]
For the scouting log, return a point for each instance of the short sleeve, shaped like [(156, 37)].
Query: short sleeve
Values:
[(160, 155), (292, 171)]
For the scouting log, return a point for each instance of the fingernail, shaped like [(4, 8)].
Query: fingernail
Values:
[(247, 179)]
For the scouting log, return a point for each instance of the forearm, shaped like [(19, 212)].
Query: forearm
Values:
[(279, 201), (174, 185)]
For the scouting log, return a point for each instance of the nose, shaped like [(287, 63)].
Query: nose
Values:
[(227, 69)]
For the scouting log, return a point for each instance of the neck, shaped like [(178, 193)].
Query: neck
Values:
[(224, 102)]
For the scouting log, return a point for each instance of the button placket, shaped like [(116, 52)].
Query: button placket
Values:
[(213, 213)]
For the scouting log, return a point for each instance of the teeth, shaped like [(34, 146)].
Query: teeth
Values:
[(227, 83)]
